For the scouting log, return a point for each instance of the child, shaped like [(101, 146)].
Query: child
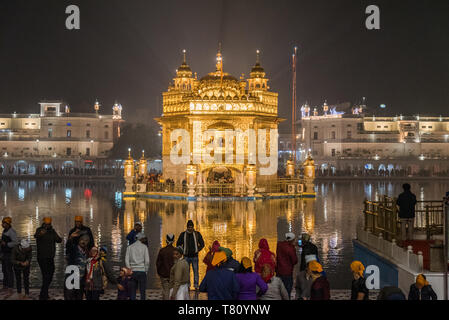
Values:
[(123, 281)]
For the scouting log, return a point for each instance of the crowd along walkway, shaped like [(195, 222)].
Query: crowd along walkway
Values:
[(155, 294)]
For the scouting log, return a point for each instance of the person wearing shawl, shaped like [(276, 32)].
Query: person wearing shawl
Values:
[(320, 289), (359, 291), (249, 281), (264, 256), (421, 290), (276, 289), (220, 283), (208, 258), (98, 272)]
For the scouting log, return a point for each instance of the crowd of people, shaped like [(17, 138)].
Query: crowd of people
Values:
[(267, 276)]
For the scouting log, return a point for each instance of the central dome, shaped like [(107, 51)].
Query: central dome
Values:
[(214, 76)]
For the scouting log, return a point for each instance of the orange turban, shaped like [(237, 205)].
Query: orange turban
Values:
[(7, 220), (357, 267), (314, 266), (421, 280), (47, 220), (78, 219), (246, 262), (219, 257)]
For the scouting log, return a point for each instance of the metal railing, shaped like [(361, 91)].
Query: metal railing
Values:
[(382, 217)]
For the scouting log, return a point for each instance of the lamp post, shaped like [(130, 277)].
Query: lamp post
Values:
[(129, 172)]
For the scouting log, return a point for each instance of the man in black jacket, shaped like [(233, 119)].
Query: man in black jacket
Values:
[(80, 230), (406, 203), (46, 239), (191, 242), (308, 248)]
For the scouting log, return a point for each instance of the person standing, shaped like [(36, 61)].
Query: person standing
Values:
[(406, 202), (123, 292), (131, 237), (220, 283), (249, 281), (263, 256), (191, 242), (320, 289), (77, 253), (46, 239), (210, 254), (179, 277), (79, 230), (98, 272), (286, 259), (308, 249), (421, 290), (8, 242), (304, 283), (276, 289), (164, 264), (137, 259), (21, 259), (359, 291)]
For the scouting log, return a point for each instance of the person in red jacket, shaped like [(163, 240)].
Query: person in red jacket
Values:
[(264, 256), (286, 259)]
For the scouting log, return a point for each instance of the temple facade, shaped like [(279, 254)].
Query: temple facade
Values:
[(219, 103)]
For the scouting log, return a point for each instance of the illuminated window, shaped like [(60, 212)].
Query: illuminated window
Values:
[(69, 133)]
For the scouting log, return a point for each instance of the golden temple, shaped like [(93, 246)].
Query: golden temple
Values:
[(222, 103)]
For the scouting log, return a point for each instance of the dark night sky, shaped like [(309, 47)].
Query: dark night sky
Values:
[(129, 50)]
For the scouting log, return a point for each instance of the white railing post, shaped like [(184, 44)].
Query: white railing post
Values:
[(409, 251), (379, 242), (393, 244), (420, 262)]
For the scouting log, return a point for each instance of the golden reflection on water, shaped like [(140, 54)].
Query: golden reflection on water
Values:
[(236, 225)]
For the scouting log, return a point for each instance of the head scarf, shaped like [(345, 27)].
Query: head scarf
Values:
[(91, 263), (305, 237), (246, 262), (227, 251), (263, 244), (314, 266), (170, 238), (7, 220), (216, 246), (219, 257), (267, 273), (78, 219), (357, 267), (47, 220), (25, 244), (421, 280)]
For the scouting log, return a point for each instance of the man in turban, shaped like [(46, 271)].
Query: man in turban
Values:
[(421, 290), (80, 229), (320, 289), (8, 242), (46, 240), (164, 263), (220, 283), (359, 291)]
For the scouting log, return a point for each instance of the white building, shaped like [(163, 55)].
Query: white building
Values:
[(56, 132), (341, 139)]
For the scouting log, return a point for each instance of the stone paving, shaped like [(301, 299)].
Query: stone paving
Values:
[(156, 294)]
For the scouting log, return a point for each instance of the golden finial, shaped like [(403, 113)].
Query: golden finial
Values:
[(129, 154), (143, 154), (258, 56)]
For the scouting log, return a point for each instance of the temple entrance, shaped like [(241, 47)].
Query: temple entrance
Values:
[(220, 175)]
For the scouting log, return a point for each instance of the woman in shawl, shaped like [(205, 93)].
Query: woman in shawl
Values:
[(264, 256), (209, 256), (276, 289), (98, 272)]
